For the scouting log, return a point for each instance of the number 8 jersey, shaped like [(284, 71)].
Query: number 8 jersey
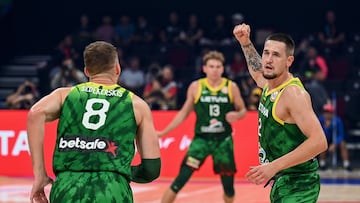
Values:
[(211, 106), (96, 130)]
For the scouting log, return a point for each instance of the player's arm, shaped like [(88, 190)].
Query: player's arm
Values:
[(147, 144), (239, 105), (45, 110), (185, 110), (253, 59), (298, 104)]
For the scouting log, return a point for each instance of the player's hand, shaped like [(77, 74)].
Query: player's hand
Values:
[(37, 194), (242, 33), (159, 133), (231, 116), (260, 174), (331, 148)]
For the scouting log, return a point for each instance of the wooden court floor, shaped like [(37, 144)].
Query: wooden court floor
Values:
[(337, 189)]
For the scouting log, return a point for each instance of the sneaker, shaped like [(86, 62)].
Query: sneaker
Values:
[(323, 168), (348, 168)]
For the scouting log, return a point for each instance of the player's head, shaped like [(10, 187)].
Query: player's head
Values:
[(328, 111), (213, 64), (278, 55), (100, 57), (284, 38)]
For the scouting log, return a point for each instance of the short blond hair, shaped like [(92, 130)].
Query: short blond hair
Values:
[(213, 55)]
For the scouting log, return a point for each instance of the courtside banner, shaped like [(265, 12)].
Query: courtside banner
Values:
[(15, 157)]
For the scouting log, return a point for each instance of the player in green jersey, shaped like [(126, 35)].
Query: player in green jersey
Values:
[(217, 103), (99, 124), (290, 135)]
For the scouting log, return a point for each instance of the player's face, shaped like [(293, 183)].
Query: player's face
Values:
[(274, 59), (213, 69)]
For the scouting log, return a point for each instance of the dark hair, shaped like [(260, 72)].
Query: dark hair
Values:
[(285, 38)]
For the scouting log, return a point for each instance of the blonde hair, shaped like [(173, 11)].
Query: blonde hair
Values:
[(213, 55)]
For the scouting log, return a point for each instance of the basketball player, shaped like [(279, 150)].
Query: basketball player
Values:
[(217, 103), (290, 134), (98, 122)]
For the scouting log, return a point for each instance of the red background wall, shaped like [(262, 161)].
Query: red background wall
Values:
[(15, 158)]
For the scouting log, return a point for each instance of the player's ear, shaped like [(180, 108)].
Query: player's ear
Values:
[(86, 72), (117, 69)]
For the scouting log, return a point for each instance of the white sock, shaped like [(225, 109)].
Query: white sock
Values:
[(346, 163), (322, 162)]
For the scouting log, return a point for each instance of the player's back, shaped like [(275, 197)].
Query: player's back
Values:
[(96, 130)]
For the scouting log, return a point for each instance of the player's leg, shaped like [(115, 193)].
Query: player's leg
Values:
[(228, 186), (345, 156), (224, 164), (192, 161), (179, 182)]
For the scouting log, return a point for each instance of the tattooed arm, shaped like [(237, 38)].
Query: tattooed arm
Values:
[(253, 59)]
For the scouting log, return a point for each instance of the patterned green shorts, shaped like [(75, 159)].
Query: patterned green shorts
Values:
[(94, 187), (299, 188), (222, 152)]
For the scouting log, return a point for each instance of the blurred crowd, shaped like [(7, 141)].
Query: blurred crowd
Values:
[(159, 60)]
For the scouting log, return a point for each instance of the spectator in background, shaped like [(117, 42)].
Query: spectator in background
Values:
[(331, 37), (66, 49), (236, 19), (161, 93), (105, 31), (247, 84), (333, 124), (218, 33), (311, 62), (133, 77), (124, 31), (144, 33), (82, 35), (24, 97), (253, 99), (67, 75), (170, 34), (316, 89), (194, 32), (238, 66), (154, 69)]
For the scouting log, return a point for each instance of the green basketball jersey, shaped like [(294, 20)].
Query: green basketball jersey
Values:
[(277, 138), (211, 106), (96, 130)]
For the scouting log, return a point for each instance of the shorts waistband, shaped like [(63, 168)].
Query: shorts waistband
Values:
[(213, 136)]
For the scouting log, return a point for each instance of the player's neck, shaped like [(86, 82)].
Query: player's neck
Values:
[(214, 82), (276, 82), (101, 79)]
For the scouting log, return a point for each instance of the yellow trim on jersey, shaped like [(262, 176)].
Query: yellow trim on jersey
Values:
[(223, 82), (230, 91), (109, 86), (276, 118), (199, 90), (267, 93)]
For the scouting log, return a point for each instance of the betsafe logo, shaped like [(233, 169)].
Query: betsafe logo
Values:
[(86, 144)]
